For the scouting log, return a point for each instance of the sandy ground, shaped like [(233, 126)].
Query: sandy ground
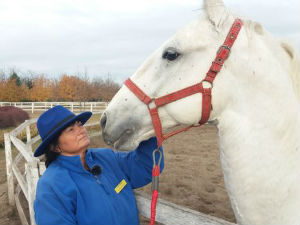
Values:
[(192, 176)]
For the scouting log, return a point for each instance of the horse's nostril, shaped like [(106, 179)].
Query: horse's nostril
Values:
[(103, 121)]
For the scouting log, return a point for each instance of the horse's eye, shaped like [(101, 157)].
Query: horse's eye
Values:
[(170, 54)]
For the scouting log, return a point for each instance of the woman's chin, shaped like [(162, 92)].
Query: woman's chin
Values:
[(85, 143)]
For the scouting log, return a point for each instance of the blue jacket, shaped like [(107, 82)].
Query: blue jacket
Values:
[(69, 194)]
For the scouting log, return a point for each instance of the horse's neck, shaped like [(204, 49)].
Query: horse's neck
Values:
[(259, 150)]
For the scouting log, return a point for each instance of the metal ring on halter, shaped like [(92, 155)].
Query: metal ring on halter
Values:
[(207, 81), (152, 103), (160, 156)]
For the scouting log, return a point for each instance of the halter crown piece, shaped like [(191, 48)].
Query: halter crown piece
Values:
[(221, 56)]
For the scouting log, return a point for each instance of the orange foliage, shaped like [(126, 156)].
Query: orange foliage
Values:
[(41, 90), (68, 88), (11, 92)]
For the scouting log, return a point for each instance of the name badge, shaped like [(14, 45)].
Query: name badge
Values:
[(120, 186)]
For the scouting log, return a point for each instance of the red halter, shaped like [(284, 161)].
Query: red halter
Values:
[(216, 66)]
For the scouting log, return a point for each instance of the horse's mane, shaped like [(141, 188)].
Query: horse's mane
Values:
[(294, 66), (294, 60)]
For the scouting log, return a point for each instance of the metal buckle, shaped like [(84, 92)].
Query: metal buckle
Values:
[(216, 69), (226, 48)]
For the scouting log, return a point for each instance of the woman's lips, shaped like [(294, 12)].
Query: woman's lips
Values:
[(83, 137)]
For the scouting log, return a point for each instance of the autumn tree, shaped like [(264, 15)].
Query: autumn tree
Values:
[(54, 86), (84, 90), (11, 92), (110, 88), (103, 90), (41, 89), (10, 88), (14, 76), (2, 91), (28, 81), (69, 88)]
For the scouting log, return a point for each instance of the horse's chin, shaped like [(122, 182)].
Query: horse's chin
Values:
[(125, 144), (129, 143)]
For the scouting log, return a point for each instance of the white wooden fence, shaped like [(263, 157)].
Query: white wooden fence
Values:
[(73, 106), (27, 178)]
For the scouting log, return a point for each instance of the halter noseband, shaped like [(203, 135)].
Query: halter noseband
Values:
[(222, 54)]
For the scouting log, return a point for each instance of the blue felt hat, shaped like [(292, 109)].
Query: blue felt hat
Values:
[(53, 121)]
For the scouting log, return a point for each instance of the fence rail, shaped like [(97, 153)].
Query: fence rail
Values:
[(73, 106), (27, 178)]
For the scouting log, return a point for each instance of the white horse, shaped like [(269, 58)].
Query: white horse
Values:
[(255, 101)]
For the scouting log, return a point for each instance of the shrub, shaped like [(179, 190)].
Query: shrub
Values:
[(11, 116)]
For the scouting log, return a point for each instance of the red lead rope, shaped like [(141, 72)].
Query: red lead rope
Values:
[(154, 188)]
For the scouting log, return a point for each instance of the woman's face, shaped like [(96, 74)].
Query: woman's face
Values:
[(73, 140)]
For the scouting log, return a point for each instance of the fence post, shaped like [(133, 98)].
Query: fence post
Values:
[(72, 107), (32, 176), (28, 135), (9, 172), (91, 107), (32, 107), (51, 104)]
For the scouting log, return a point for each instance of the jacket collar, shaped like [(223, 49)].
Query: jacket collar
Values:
[(73, 163)]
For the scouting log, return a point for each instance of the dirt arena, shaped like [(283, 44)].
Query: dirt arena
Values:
[(192, 176)]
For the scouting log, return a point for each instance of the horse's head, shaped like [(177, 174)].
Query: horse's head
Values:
[(181, 61)]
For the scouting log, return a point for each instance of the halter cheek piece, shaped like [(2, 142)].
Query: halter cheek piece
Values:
[(222, 54)]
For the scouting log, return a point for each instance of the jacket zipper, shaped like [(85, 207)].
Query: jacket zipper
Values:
[(102, 185)]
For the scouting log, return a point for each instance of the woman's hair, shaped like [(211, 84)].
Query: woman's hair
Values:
[(51, 154)]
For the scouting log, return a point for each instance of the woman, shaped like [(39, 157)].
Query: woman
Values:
[(87, 186)]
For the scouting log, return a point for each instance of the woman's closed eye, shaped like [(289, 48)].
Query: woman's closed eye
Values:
[(71, 128)]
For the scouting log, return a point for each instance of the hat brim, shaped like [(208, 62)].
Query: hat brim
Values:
[(82, 117)]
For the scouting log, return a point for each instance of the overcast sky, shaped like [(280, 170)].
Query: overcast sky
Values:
[(112, 36)]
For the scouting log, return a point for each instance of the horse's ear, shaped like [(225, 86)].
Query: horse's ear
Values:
[(216, 12)]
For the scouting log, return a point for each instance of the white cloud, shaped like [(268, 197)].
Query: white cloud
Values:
[(112, 36)]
